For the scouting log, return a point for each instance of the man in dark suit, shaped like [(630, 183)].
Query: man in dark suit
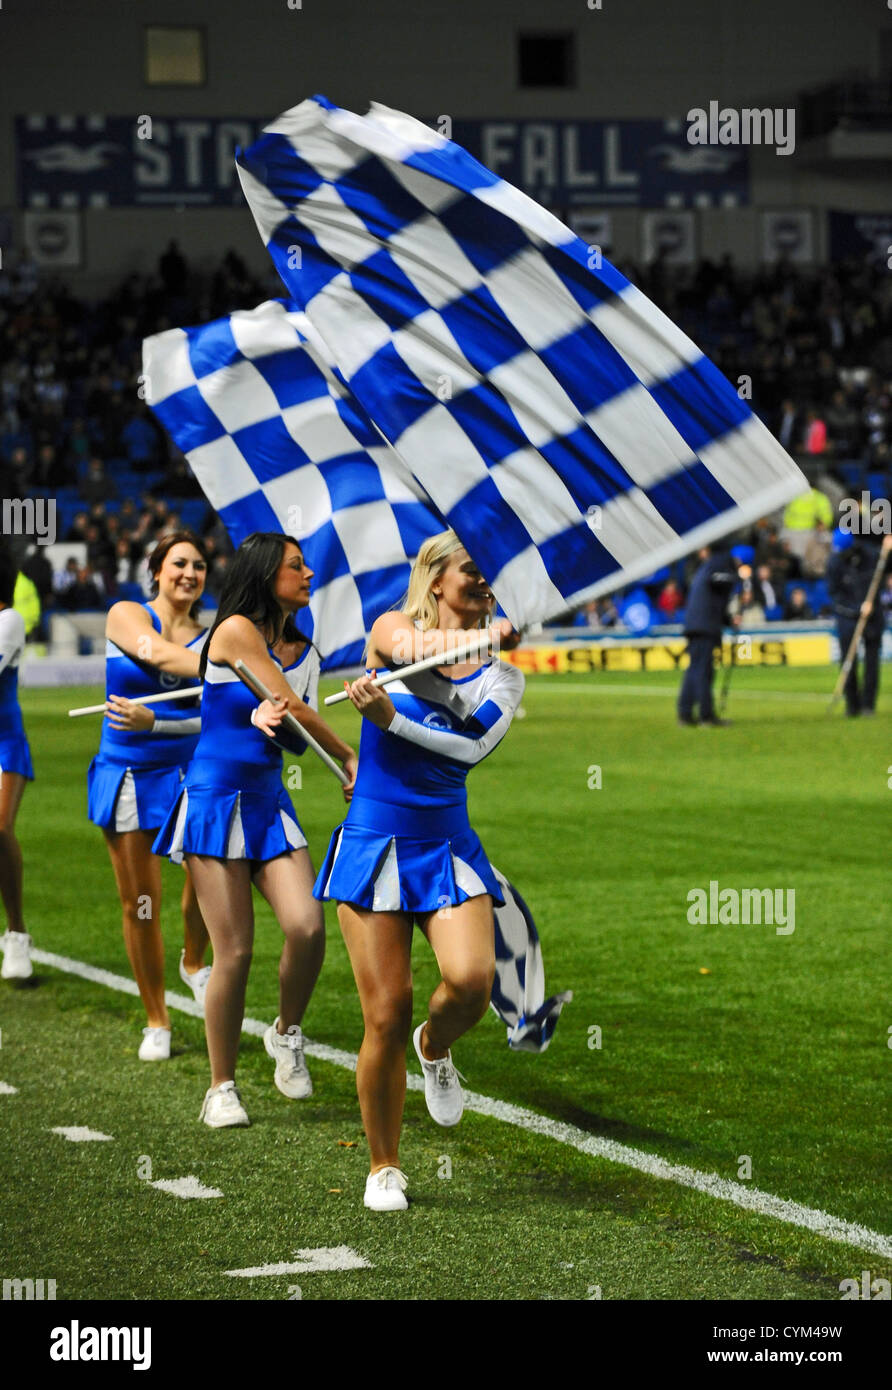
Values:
[(849, 572), (705, 616)]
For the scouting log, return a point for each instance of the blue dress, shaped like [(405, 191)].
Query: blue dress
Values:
[(406, 844), (15, 755), (137, 773), (232, 804)]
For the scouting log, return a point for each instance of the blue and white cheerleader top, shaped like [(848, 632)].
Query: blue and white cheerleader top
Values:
[(148, 763), (15, 755), (232, 804), (406, 843)]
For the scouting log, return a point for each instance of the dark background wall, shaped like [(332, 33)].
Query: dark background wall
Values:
[(635, 58)]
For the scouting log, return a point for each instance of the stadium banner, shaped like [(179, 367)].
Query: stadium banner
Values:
[(788, 236), (584, 655), (861, 234), (669, 235), (100, 161), (54, 238)]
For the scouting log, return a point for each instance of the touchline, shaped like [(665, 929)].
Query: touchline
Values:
[(76, 1343)]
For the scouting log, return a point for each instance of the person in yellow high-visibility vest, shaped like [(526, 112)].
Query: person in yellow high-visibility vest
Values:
[(26, 601), (801, 515)]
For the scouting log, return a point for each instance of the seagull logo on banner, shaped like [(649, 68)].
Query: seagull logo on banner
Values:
[(67, 158), (697, 160)]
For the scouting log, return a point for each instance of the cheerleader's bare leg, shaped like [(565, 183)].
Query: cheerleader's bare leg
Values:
[(287, 884), (223, 888), (379, 945), (195, 933), (138, 876), (12, 786), (463, 940)]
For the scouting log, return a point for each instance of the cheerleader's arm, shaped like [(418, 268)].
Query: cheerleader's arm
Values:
[(484, 730), (180, 727)]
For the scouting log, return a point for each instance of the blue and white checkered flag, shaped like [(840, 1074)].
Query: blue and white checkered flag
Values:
[(572, 435), (278, 444), (518, 994)]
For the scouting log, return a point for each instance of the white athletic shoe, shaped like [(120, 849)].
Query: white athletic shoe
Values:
[(16, 956), (223, 1106), (287, 1051), (442, 1091), (155, 1045), (198, 982), (386, 1190)]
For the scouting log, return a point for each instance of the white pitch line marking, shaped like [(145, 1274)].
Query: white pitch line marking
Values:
[(749, 1199), (7, 1090), (186, 1187), (79, 1134), (322, 1261)]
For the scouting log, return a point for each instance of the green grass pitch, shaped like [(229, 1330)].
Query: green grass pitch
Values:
[(717, 1041)]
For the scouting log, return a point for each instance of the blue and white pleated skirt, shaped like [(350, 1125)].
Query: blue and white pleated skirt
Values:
[(230, 810), (15, 755), (130, 798), (405, 859)]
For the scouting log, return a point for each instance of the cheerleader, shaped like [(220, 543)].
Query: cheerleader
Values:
[(15, 771), (136, 775), (407, 852), (234, 822)]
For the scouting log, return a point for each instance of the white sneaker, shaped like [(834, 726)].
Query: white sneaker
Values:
[(287, 1051), (386, 1190), (223, 1106), (16, 956), (155, 1045), (198, 983), (442, 1091)]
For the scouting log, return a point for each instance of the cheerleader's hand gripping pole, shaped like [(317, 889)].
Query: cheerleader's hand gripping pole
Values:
[(476, 647), (288, 719)]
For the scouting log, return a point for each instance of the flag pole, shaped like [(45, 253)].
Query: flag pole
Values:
[(472, 648), (194, 694), (260, 690)]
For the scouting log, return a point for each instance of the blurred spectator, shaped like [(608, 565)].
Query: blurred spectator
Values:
[(886, 599), (670, 600), (748, 601), (97, 486), (797, 607), (83, 593), (174, 271), (801, 515), (817, 552), (774, 553), (842, 426), (786, 428), (124, 559), (77, 531), (141, 440), (763, 579), (815, 441), (64, 578)]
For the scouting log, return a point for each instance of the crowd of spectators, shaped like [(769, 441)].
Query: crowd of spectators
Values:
[(815, 348)]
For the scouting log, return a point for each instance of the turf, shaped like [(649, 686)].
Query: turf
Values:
[(717, 1042)]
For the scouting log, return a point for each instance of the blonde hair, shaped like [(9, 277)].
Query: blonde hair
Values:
[(430, 563)]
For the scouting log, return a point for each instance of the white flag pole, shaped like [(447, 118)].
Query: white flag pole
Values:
[(261, 691), (149, 700), (473, 648)]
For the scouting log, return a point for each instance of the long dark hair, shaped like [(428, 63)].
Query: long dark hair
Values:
[(248, 590), (163, 548)]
